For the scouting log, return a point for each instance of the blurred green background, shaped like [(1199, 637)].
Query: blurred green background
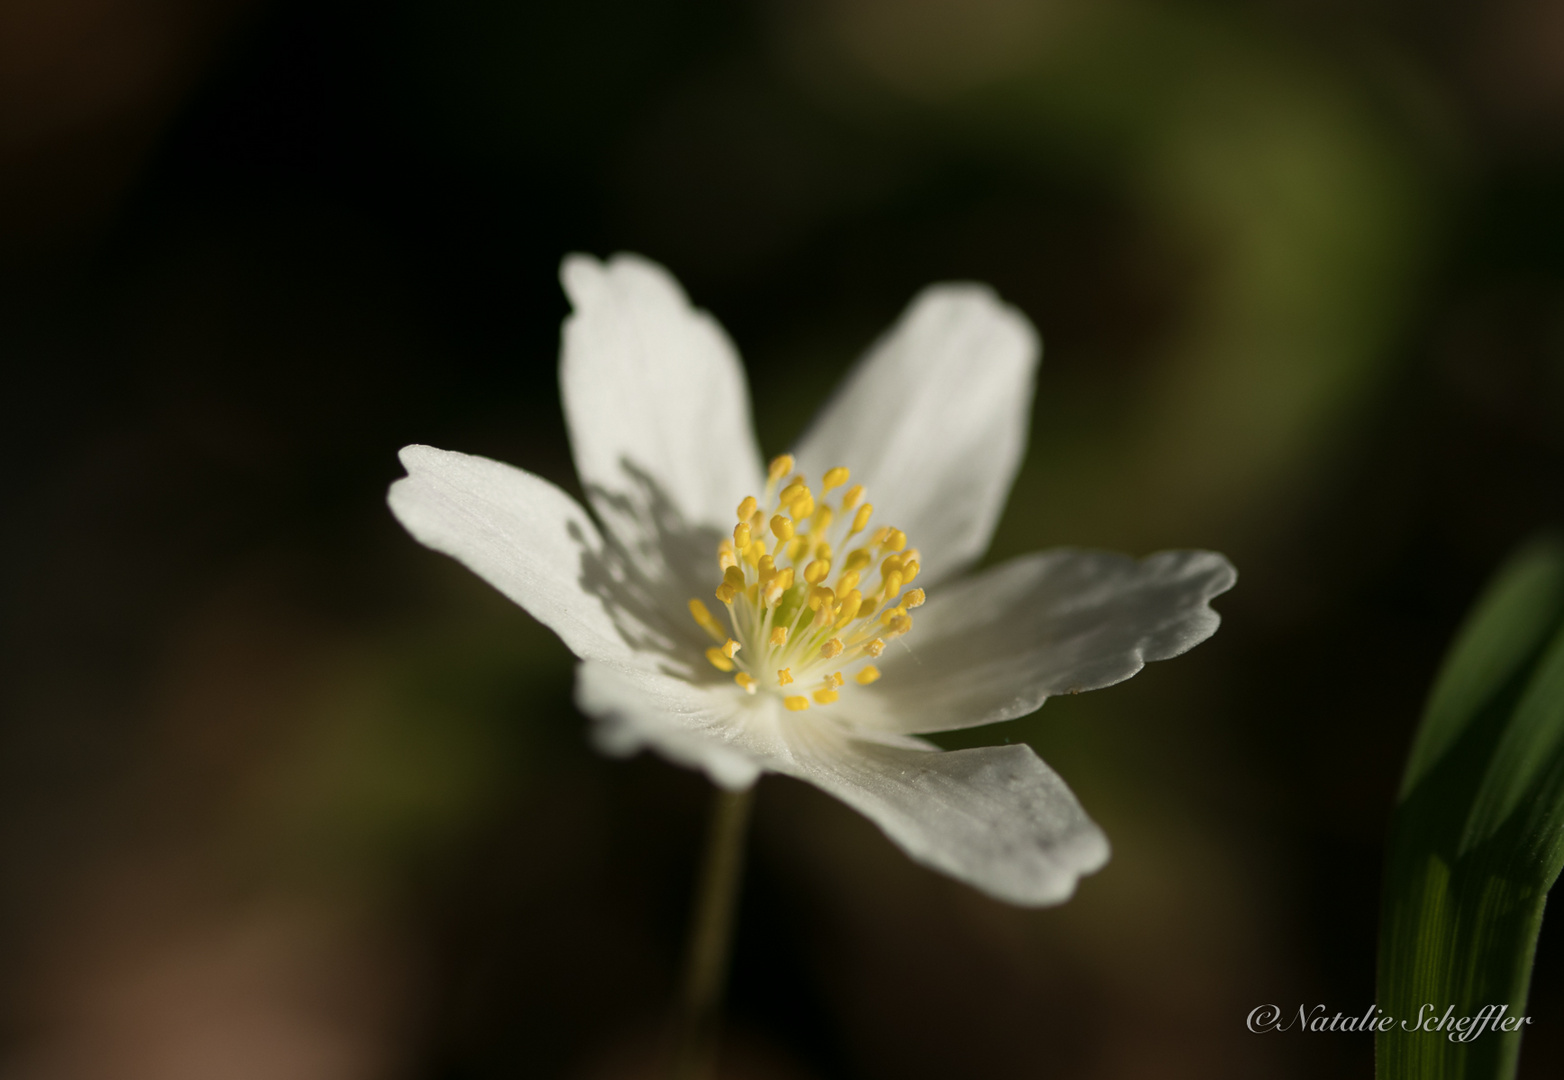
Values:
[(283, 795)]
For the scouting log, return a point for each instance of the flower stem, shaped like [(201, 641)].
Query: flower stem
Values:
[(711, 933)]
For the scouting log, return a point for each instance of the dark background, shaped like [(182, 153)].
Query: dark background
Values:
[(282, 794)]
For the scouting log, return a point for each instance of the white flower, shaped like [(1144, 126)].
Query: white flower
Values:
[(742, 620)]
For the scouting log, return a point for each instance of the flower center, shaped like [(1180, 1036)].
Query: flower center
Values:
[(793, 628)]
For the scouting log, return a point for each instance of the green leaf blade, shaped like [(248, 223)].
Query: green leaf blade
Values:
[(1475, 841)]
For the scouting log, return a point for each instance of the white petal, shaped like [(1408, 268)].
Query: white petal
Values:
[(714, 727), (995, 817), (996, 646), (534, 543), (657, 405), (933, 422)]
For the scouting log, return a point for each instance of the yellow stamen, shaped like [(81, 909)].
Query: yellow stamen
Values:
[(909, 570), (875, 647), (766, 568), (718, 660), (914, 598), (847, 582), (779, 637), (753, 553), (706, 621), (741, 536), (880, 535), (747, 681), (867, 675), (733, 576), (852, 600), (791, 492), (896, 540), (780, 467), (858, 560), (784, 676), (901, 624), (834, 680), (834, 478), (730, 648), (825, 697), (795, 703), (893, 583), (832, 649), (861, 519), (820, 594), (726, 593), (822, 522), (802, 507), (781, 528), (817, 571), (725, 555), (851, 496)]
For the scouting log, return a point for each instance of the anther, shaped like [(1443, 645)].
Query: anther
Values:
[(832, 649), (851, 496), (847, 582), (748, 507), (817, 571), (833, 680), (834, 478), (706, 621), (852, 600), (733, 576), (779, 636), (780, 467), (726, 593), (791, 492), (741, 536), (730, 648), (875, 647), (896, 540), (718, 660), (784, 676), (795, 703), (747, 681), (880, 535), (868, 675), (825, 697), (914, 598), (861, 519), (819, 594), (781, 528), (901, 624), (909, 569), (802, 506), (893, 583), (858, 560)]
